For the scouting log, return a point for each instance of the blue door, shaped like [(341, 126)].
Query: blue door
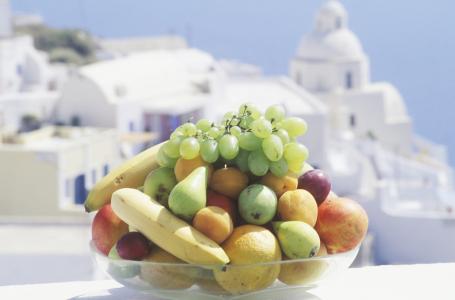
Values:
[(80, 193)]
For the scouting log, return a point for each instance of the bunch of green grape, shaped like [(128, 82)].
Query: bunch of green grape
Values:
[(254, 142)]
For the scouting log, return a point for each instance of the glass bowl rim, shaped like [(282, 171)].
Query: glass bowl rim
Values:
[(341, 255)]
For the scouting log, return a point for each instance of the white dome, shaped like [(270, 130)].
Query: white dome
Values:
[(334, 8), (341, 44), (331, 39)]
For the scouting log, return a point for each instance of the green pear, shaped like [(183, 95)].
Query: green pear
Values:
[(159, 183), (297, 239), (190, 194)]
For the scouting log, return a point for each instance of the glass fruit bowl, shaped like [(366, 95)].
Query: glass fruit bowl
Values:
[(188, 281)]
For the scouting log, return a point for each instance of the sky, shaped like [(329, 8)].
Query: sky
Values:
[(410, 43)]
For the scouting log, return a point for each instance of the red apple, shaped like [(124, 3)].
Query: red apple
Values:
[(342, 224), (107, 229), (215, 199)]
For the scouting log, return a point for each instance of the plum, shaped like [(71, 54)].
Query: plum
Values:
[(317, 183), (133, 246)]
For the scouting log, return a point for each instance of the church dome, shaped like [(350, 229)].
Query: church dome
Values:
[(339, 44), (331, 39)]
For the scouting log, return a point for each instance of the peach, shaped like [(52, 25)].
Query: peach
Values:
[(215, 199), (214, 222), (107, 229), (184, 167), (280, 185), (298, 205), (342, 224), (229, 182)]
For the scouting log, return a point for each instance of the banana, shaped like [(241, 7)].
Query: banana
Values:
[(131, 173), (164, 229)]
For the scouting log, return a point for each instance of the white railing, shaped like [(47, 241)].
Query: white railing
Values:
[(412, 186)]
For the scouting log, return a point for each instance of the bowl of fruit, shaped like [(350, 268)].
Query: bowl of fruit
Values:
[(224, 210)]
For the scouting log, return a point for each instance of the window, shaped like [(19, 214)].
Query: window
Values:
[(352, 121), (105, 169), (348, 80), (338, 23), (80, 193)]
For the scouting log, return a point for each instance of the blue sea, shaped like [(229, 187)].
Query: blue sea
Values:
[(410, 43)]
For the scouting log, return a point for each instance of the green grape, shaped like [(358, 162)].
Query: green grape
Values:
[(172, 147), (296, 167), (246, 122), (279, 168), (275, 113), (261, 128), (235, 131), (235, 121), (204, 125), (242, 160), (249, 141), (283, 135), (228, 115), (177, 133), (214, 132), (188, 129), (295, 153), (200, 137), (249, 109), (189, 148), (209, 151), (164, 160), (272, 147), (258, 163), (228, 146), (294, 126)]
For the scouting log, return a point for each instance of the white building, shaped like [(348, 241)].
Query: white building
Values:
[(373, 150), (147, 91), (331, 64), (47, 172), (28, 83), (116, 47)]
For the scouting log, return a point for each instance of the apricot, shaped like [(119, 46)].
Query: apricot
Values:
[(229, 182), (298, 205), (183, 167), (280, 185), (214, 222)]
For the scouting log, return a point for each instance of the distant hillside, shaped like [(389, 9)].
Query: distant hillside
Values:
[(72, 46)]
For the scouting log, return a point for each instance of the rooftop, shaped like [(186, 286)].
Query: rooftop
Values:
[(51, 138), (149, 75), (264, 92)]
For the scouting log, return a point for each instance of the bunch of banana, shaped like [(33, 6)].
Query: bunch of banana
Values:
[(131, 173), (167, 231)]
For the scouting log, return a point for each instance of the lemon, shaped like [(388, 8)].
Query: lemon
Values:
[(249, 245)]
